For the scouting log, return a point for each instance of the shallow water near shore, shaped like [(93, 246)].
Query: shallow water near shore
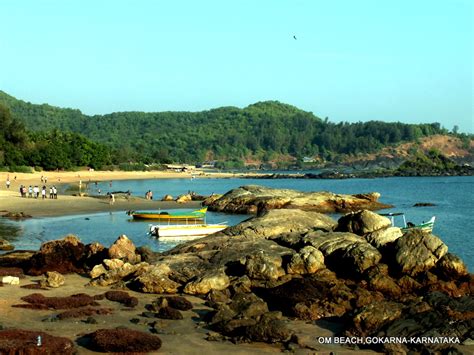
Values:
[(453, 198)]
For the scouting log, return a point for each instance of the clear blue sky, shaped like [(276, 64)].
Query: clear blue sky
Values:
[(393, 60)]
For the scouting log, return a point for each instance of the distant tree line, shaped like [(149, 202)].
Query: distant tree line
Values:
[(49, 150), (263, 131)]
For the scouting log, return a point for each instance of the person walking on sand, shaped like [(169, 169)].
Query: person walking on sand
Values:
[(111, 199)]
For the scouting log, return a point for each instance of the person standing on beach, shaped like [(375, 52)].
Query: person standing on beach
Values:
[(30, 191), (55, 192), (150, 195), (51, 195), (43, 192), (111, 199), (8, 182)]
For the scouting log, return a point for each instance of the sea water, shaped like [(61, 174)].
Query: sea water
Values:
[(452, 197)]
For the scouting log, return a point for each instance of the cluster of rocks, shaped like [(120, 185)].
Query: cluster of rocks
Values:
[(191, 196), (251, 199), (291, 263)]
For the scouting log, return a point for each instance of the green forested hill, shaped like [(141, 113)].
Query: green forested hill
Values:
[(263, 130)]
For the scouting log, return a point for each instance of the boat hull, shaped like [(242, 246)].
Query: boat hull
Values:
[(185, 231)]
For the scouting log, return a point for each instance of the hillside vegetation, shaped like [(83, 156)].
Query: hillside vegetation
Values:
[(262, 131)]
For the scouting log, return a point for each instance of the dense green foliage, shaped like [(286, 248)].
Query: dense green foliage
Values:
[(426, 164), (264, 130), (49, 150)]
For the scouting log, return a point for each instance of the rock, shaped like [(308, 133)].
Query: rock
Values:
[(248, 305), (252, 198), (450, 266), (155, 280), (19, 341), (94, 253), (123, 248), (5, 245), (121, 340), (16, 215), (97, 271), (423, 204), (307, 261), (417, 252), (167, 198), (179, 302), (53, 279), (264, 266), (373, 316), (122, 297), (10, 280), (379, 280), (212, 280), (273, 223), (242, 284), (184, 198), (382, 237), (362, 222), (346, 253), (313, 297), (112, 264), (19, 258), (64, 256), (12, 271), (115, 276), (169, 313), (269, 329)]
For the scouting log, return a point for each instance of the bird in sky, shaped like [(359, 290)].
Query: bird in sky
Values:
[(294, 36)]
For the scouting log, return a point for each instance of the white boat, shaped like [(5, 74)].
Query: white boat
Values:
[(424, 226), (185, 231)]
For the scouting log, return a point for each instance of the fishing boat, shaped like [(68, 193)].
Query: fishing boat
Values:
[(185, 231), (197, 215), (424, 226)]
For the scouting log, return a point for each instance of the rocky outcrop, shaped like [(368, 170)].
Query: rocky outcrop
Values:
[(124, 249), (5, 245), (418, 251), (53, 279), (252, 198), (362, 222)]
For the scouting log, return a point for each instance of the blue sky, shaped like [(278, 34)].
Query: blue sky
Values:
[(408, 61)]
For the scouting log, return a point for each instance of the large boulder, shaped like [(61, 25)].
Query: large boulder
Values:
[(123, 248), (307, 261), (121, 341), (362, 222), (212, 280), (154, 279), (451, 266), (373, 316), (382, 237), (263, 266), (418, 251), (276, 222), (64, 256), (344, 252), (253, 198)]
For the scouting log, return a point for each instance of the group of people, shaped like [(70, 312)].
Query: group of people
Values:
[(33, 192)]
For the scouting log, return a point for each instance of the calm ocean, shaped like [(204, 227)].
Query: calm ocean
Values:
[(452, 196)]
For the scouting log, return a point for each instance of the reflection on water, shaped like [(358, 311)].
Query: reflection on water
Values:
[(9, 231), (100, 227)]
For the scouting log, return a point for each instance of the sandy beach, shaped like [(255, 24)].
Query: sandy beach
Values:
[(11, 201)]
